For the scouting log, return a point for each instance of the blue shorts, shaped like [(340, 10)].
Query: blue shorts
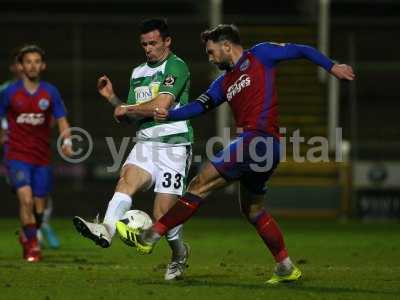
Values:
[(251, 158), (39, 178)]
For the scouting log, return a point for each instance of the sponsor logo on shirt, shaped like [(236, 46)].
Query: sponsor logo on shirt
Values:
[(235, 88), (169, 81), (44, 104), (31, 119), (146, 93), (244, 65)]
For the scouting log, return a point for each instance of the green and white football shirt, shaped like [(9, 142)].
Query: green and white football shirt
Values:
[(170, 76)]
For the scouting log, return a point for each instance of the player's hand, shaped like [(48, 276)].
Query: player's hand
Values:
[(120, 113), (343, 72), (160, 114), (67, 150), (105, 88)]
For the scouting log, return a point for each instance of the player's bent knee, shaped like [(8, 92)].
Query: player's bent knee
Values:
[(206, 181), (193, 185), (26, 202), (196, 187), (133, 179), (157, 213), (253, 215), (252, 211)]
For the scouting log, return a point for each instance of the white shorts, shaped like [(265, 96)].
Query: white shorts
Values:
[(168, 165)]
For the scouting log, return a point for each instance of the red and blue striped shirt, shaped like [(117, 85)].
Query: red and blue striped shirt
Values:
[(29, 119)]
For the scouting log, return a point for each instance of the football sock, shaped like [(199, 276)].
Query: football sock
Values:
[(119, 204), (183, 209), (30, 231), (270, 233), (48, 210), (39, 219), (175, 241), (284, 267), (174, 233)]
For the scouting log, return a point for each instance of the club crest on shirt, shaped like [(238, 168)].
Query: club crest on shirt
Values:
[(244, 65), (169, 81), (44, 104)]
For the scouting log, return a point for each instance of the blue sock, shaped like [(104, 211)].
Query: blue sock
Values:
[(30, 231)]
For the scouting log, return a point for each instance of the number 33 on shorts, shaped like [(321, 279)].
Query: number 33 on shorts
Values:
[(175, 181), (170, 182), (168, 166)]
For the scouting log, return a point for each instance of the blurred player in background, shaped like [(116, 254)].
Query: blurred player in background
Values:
[(162, 154), (16, 74), (248, 85), (46, 232), (30, 104)]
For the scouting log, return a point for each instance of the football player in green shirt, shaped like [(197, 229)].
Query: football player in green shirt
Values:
[(162, 154)]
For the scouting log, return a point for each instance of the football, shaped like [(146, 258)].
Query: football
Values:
[(137, 219)]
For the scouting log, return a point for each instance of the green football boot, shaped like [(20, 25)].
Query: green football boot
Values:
[(131, 237), (292, 276)]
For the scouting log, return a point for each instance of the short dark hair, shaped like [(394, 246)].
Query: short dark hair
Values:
[(155, 24), (30, 49), (222, 32)]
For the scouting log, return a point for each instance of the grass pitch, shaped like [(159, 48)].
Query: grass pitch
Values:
[(228, 261)]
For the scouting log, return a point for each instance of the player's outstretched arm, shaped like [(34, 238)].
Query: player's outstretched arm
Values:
[(65, 133), (194, 109), (272, 53), (340, 71), (189, 111)]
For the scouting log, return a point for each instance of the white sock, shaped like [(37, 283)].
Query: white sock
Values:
[(119, 204), (284, 267), (47, 211), (175, 241), (174, 233)]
